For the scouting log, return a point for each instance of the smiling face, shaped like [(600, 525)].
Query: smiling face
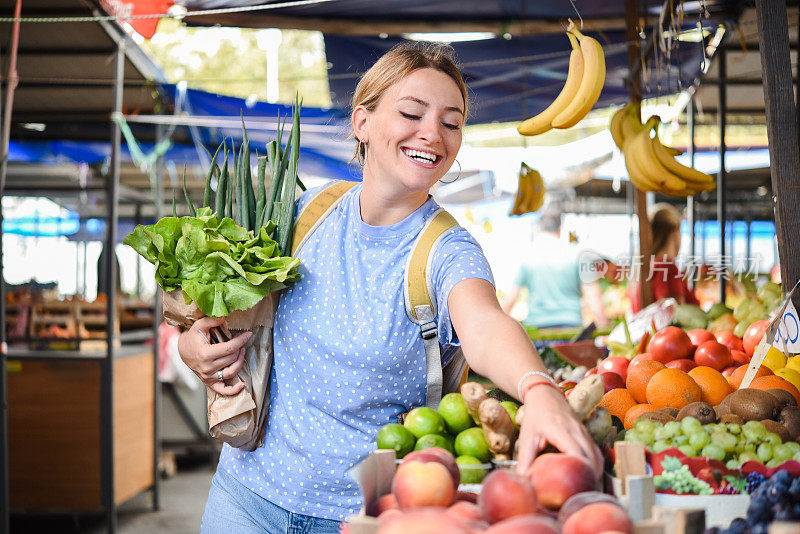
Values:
[(414, 133)]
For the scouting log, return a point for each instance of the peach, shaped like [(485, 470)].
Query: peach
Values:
[(386, 502), (466, 511), (559, 476), (598, 517), (386, 515), (579, 500), (506, 494), (468, 496), (522, 524), (422, 484), (437, 454), (423, 521), (684, 364)]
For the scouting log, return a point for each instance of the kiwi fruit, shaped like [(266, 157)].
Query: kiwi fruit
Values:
[(790, 418), (722, 409), (702, 411), (784, 398), (777, 428), (672, 412), (731, 419), (752, 404), (658, 417)]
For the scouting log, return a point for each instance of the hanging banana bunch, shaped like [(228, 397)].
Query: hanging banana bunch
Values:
[(585, 79), (651, 165), (530, 191)]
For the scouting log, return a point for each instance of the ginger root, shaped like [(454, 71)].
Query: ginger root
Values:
[(473, 394), (498, 428), (586, 395)]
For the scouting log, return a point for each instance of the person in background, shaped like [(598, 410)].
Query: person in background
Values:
[(550, 271), (666, 279), (347, 358)]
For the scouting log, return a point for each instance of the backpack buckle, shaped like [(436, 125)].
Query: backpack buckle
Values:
[(428, 330)]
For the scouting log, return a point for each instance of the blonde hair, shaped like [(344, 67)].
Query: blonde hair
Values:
[(395, 65), (664, 221)]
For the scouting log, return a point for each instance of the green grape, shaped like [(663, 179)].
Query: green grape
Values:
[(632, 435), (782, 452), (645, 426), (734, 428), (754, 430), (724, 440), (796, 457), (680, 440), (688, 450), (714, 451), (764, 452), (773, 438), (698, 440), (709, 427), (660, 446), (690, 425), (749, 446), (794, 446), (673, 427), (732, 464), (746, 456), (773, 463)]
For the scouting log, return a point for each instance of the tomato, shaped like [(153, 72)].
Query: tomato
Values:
[(684, 364), (612, 381), (739, 357), (670, 343), (728, 371), (615, 364), (640, 358), (730, 340), (753, 334), (713, 354), (700, 336)]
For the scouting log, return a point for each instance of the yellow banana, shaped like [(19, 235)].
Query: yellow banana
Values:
[(642, 151), (637, 176), (535, 191), (631, 122), (594, 76), (518, 198), (688, 174), (542, 122), (615, 127)]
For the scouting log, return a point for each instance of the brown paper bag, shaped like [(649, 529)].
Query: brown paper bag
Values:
[(239, 420)]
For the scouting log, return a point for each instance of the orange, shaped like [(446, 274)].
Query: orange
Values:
[(617, 401), (634, 413), (639, 376), (776, 382), (713, 386), (672, 388), (738, 374)]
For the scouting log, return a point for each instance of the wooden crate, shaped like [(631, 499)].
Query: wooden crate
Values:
[(54, 432)]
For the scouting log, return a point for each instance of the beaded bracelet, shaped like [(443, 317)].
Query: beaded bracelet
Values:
[(549, 379), (534, 384)]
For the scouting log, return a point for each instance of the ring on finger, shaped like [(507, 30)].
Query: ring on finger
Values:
[(219, 375)]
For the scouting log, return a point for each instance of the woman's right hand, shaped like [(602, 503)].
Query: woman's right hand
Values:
[(207, 359)]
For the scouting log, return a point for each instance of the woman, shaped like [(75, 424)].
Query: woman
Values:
[(666, 279), (347, 359)]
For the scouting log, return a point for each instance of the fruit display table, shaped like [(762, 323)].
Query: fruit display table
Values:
[(54, 414)]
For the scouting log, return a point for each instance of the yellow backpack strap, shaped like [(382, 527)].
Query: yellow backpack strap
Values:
[(315, 211), (420, 303)]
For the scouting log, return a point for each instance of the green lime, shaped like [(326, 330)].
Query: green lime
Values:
[(434, 440), (471, 442), (421, 421), (511, 407), (396, 436), (472, 469), (453, 410)]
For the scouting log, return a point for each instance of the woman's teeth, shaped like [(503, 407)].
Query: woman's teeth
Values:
[(425, 157)]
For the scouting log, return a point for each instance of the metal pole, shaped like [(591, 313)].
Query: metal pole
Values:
[(107, 373), (159, 202), (721, 176), (137, 220), (748, 250), (690, 209)]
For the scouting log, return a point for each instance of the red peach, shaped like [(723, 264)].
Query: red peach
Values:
[(559, 476), (739, 357), (730, 340), (523, 524), (387, 515), (437, 454), (728, 371), (386, 502), (579, 500), (422, 484), (423, 521), (612, 381), (684, 364), (615, 364), (700, 336), (598, 517), (506, 494), (466, 511)]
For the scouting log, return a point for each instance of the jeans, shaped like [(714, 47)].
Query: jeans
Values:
[(233, 509)]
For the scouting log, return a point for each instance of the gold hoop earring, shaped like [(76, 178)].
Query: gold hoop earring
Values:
[(457, 175)]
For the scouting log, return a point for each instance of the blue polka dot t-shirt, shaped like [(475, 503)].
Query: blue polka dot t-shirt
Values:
[(347, 358)]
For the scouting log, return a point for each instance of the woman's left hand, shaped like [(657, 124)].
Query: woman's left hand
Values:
[(553, 421)]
